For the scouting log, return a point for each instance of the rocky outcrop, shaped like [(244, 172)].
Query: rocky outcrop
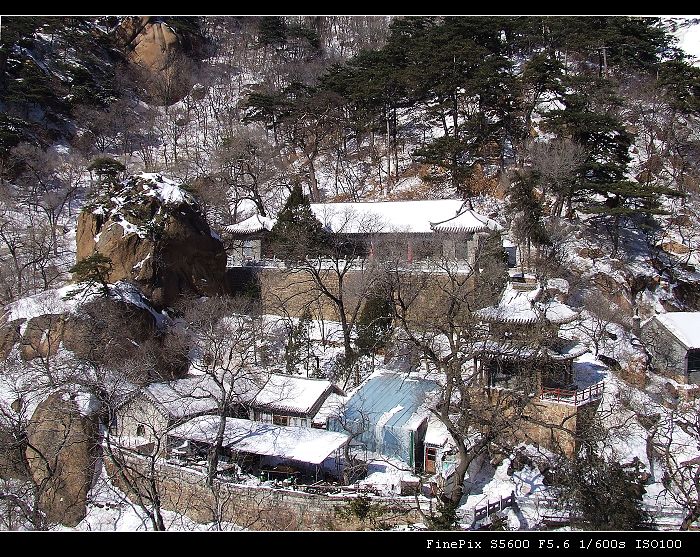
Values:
[(99, 329), (112, 330), (61, 453), (107, 330), (42, 336), (9, 336), (157, 237), (161, 53), (150, 42)]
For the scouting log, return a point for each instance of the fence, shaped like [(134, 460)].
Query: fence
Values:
[(490, 508), (570, 396)]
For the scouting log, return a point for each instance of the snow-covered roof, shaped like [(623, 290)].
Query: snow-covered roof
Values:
[(185, 397), (251, 225), (289, 393), (436, 432), (302, 444), (377, 217), (197, 394), (524, 308), (391, 400), (685, 326), (467, 221), (418, 216)]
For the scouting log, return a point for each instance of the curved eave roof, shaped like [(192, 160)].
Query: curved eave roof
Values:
[(555, 313), (251, 225), (467, 222)]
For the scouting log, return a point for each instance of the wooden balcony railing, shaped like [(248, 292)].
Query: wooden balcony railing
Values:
[(574, 397)]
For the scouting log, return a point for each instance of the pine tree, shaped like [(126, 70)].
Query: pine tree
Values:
[(374, 324), (91, 271), (600, 494), (106, 169), (298, 343), (297, 232), (523, 203)]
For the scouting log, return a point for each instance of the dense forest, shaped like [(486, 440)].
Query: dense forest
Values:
[(595, 114)]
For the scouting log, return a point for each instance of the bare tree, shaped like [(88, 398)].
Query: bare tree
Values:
[(557, 162), (338, 271), (671, 437), (226, 340), (435, 307)]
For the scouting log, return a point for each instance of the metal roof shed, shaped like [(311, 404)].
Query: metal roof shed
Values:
[(389, 413)]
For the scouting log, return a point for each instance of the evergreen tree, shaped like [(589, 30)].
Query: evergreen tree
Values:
[(491, 274), (682, 84), (297, 232), (89, 272), (527, 209), (374, 324), (107, 170), (600, 494), (298, 343)]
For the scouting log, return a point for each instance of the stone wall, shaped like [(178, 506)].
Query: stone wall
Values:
[(258, 508), (284, 292), (669, 356), (290, 293), (553, 425)]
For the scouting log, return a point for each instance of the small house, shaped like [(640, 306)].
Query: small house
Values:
[(388, 414), (146, 415), (290, 400), (673, 340), (522, 347), (436, 443), (246, 239)]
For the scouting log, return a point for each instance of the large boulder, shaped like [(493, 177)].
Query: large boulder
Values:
[(112, 330), (42, 336), (107, 330), (61, 453), (9, 336), (161, 54), (157, 237), (150, 43)]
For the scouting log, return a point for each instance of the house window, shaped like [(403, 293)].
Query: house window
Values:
[(512, 256), (693, 361), (141, 430), (280, 420)]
